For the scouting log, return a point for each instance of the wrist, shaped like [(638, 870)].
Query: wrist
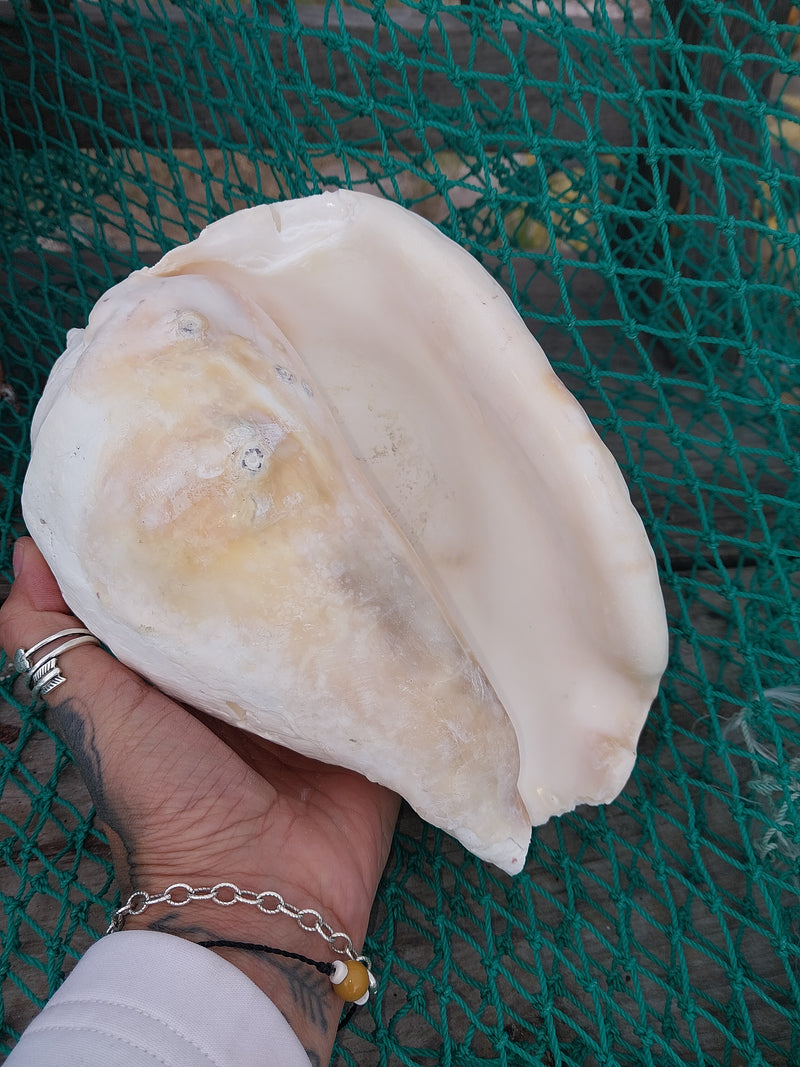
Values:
[(226, 909), (301, 991)]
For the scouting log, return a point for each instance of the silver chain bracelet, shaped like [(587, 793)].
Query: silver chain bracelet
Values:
[(226, 894)]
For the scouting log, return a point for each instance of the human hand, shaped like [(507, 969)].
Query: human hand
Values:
[(185, 798)]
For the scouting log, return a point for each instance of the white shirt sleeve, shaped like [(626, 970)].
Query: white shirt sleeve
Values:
[(147, 999)]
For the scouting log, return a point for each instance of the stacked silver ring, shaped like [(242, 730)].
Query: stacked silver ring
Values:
[(44, 675)]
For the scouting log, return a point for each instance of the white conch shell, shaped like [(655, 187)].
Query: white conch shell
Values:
[(311, 474)]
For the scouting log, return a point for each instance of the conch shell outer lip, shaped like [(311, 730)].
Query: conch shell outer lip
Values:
[(439, 435)]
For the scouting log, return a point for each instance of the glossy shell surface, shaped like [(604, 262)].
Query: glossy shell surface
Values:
[(311, 473)]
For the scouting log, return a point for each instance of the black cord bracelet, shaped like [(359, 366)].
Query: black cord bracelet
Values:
[(328, 969), (352, 979)]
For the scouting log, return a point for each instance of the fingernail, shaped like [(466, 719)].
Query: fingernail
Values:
[(16, 560)]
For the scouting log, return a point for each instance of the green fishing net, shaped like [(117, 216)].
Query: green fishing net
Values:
[(629, 173)]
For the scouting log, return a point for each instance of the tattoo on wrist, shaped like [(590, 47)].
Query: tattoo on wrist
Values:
[(79, 738), (308, 991), (304, 991), (72, 728)]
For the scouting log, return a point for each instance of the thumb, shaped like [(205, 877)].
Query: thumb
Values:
[(117, 727), (36, 581), (124, 734), (106, 696), (102, 705)]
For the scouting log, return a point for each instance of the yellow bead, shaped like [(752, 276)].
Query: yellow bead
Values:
[(355, 984)]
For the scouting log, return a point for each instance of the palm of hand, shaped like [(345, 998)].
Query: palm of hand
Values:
[(189, 799), (226, 801)]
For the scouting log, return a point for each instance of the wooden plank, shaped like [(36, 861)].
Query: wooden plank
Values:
[(326, 75)]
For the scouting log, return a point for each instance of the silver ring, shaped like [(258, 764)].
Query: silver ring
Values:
[(44, 675)]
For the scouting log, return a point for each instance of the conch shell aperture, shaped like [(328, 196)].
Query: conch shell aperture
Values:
[(312, 474)]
